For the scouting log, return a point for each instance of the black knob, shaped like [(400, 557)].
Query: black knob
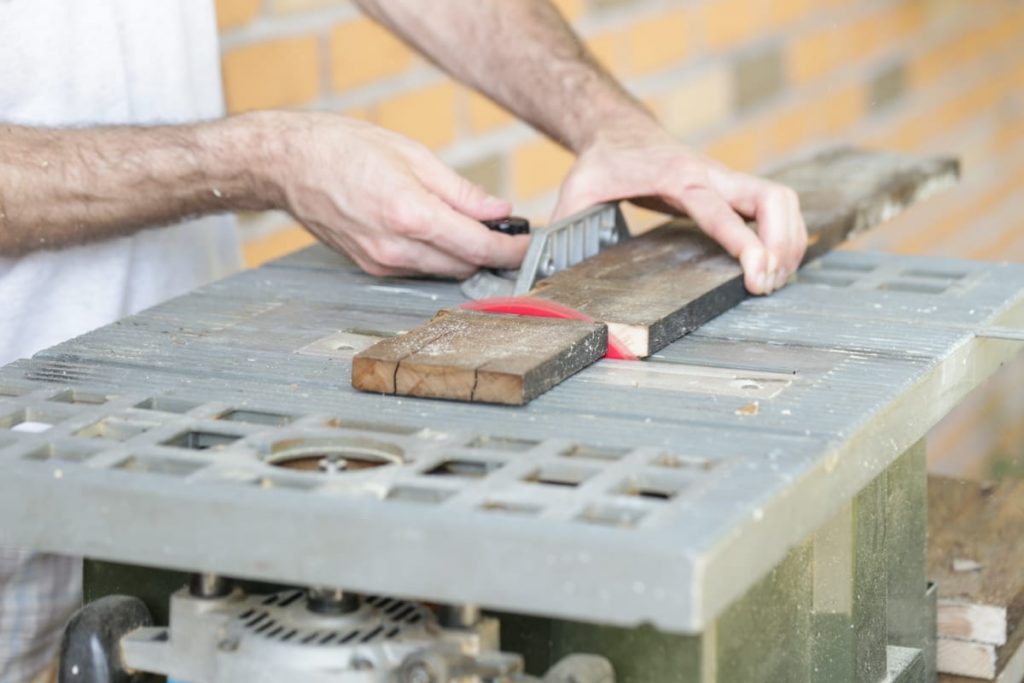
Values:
[(509, 225), (90, 651)]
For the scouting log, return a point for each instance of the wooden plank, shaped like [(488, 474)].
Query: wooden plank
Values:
[(469, 356), (969, 621), (966, 658), (649, 291), (1009, 669), (655, 288), (977, 528)]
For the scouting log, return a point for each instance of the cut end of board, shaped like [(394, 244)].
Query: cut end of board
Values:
[(375, 375)]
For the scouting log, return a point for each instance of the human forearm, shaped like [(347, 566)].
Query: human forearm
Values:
[(339, 177), (523, 55), (60, 187)]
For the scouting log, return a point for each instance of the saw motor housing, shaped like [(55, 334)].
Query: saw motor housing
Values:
[(313, 636)]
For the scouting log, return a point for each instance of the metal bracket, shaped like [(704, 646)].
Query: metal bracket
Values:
[(554, 248)]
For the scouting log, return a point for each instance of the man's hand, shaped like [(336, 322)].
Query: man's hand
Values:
[(381, 198), (526, 57), (645, 164), (385, 200)]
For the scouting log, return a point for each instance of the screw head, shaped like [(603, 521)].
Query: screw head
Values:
[(547, 268), (332, 464), (362, 664), (228, 645), (419, 673)]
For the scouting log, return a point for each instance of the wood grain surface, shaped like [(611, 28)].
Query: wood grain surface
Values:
[(980, 612), (471, 356), (655, 288), (647, 292)]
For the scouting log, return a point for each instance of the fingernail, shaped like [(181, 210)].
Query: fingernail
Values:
[(781, 279), (762, 283), (752, 261), (498, 204)]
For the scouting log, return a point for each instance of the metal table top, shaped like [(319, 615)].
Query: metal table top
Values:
[(634, 492)]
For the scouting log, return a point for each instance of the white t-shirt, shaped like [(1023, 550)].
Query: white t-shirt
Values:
[(82, 63), (88, 62)]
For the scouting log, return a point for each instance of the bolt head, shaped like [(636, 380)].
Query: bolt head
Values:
[(228, 645), (420, 673)]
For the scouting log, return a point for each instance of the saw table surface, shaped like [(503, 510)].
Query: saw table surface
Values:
[(655, 491)]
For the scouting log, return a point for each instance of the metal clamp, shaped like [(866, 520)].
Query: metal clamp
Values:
[(552, 249)]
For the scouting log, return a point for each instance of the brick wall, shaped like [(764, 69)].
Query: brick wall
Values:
[(751, 82)]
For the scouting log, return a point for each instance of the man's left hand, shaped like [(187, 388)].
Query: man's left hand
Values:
[(645, 164)]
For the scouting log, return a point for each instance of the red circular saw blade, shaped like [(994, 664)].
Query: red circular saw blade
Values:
[(542, 308)]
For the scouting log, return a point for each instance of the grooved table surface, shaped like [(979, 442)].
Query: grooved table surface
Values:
[(189, 437)]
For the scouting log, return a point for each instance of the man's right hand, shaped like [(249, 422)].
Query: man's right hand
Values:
[(383, 199)]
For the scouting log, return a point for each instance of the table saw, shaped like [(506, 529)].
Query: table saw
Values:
[(748, 504)]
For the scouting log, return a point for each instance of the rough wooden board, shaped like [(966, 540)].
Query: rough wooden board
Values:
[(966, 658), (979, 522), (970, 621), (947, 499), (1010, 669), (655, 288), (1009, 666), (469, 356)]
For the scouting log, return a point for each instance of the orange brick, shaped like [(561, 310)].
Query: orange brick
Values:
[(909, 19), (360, 113), (641, 220), (957, 220), (698, 102), (363, 52), (842, 109), (485, 115), (275, 73), (659, 105), (1011, 130), (292, 6), (865, 37), (980, 98), (1007, 246), (790, 128), (738, 149), (279, 243), (727, 23), (234, 13), (956, 52), (907, 135), (1006, 31), (814, 55), (570, 9), (784, 12), (426, 115), (997, 248), (538, 167), (659, 42), (609, 49)]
